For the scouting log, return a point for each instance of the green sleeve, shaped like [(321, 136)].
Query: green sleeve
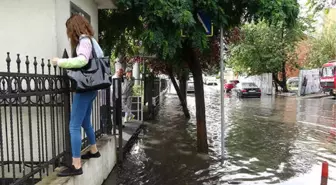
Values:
[(70, 63)]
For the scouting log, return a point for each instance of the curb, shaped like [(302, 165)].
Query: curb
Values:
[(313, 97), (129, 144), (304, 97), (286, 96)]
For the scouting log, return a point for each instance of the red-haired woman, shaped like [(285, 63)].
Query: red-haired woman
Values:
[(80, 33)]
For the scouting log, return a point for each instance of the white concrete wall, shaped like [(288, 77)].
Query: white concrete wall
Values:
[(229, 74), (34, 28), (37, 28), (63, 13), (28, 28), (313, 81)]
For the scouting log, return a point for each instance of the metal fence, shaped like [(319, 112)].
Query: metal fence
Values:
[(160, 89), (137, 108), (35, 105), (137, 100)]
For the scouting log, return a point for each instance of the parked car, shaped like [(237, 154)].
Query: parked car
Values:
[(293, 84), (211, 80), (229, 86), (247, 89), (190, 85)]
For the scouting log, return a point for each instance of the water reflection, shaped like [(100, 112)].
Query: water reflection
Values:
[(268, 141)]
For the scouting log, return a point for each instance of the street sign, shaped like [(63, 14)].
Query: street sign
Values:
[(206, 23)]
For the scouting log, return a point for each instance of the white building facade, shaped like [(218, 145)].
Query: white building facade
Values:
[(37, 27)]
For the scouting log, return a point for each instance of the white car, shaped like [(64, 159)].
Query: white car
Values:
[(211, 80), (190, 85)]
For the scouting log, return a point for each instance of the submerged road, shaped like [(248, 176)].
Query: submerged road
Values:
[(270, 140)]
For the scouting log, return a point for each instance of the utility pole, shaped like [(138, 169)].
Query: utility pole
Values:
[(222, 91)]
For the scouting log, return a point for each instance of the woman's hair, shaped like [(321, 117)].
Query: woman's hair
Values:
[(76, 26)]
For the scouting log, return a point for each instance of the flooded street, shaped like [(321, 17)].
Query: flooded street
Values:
[(268, 141)]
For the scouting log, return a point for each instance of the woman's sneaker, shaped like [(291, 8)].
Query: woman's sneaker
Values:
[(132, 117), (90, 155), (70, 171)]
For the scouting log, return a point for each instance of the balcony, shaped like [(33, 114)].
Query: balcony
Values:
[(106, 4)]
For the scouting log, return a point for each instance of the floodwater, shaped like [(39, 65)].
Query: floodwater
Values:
[(270, 140)]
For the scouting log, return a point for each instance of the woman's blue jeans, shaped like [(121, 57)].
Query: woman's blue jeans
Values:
[(81, 117)]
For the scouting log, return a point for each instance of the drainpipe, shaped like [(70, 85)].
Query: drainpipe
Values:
[(136, 73)]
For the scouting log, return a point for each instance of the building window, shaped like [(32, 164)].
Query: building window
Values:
[(74, 9)]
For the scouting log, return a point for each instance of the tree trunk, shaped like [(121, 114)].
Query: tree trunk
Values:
[(183, 85), (276, 86), (283, 67), (282, 83), (195, 67), (275, 79), (283, 72), (179, 94)]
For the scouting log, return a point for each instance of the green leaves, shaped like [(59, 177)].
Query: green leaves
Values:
[(322, 48), (317, 5), (285, 11), (158, 24), (263, 49)]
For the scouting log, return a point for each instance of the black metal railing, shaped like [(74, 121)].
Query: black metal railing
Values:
[(117, 115), (160, 89), (35, 105), (155, 89)]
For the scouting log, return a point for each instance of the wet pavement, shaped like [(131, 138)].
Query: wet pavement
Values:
[(268, 141)]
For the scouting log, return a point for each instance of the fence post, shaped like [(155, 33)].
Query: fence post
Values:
[(159, 89), (150, 90), (117, 114), (114, 119), (108, 111), (67, 160)]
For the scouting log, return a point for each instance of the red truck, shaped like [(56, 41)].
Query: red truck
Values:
[(328, 77)]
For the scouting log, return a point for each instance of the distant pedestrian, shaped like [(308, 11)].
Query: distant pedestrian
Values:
[(127, 92), (304, 86), (119, 70)]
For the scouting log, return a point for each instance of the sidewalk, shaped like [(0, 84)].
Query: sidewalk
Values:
[(287, 94), (312, 96), (309, 96), (130, 134)]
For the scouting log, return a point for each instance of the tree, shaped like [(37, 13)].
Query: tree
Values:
[(163, 21), (319, 5), (322, 48), (161, 67), (265, 48)]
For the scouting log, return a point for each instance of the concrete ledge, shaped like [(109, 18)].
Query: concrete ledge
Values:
[(95, 171), (314, 96), (289, 94), (130, 134)]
